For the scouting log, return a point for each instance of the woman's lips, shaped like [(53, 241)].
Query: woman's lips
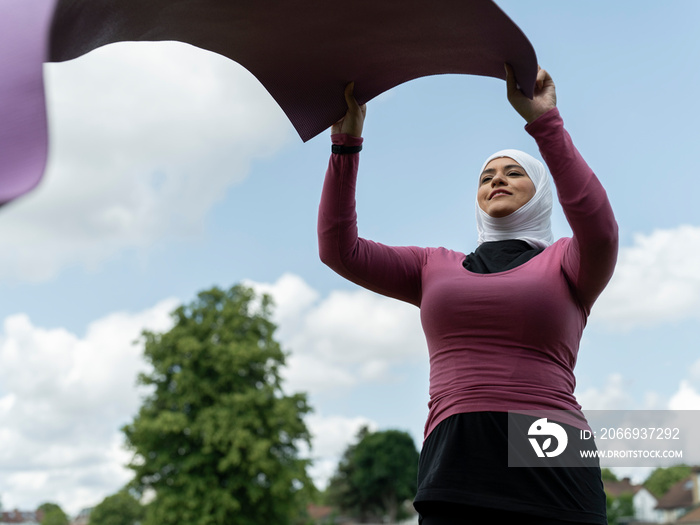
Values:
[(498, 192)]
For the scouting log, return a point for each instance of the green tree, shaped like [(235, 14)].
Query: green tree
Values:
[(218, 440), (376, 475), (661, 479), (340, 491), (53, 514), (619, 508), (608, 475), (121, 508)]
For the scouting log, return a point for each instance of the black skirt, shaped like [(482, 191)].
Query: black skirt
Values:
[(464, 464)]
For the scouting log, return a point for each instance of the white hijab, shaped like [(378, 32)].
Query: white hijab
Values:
[(532, 221)]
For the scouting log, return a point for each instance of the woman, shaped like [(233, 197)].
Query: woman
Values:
[(503, 324)]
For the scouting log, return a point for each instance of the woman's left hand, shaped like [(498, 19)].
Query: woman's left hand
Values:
[(544, 99), (354, 119)]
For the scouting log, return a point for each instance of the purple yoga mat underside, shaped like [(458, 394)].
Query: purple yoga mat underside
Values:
[(304, 52), (24, 34)]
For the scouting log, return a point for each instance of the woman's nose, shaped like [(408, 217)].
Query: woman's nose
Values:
[(498, 178)]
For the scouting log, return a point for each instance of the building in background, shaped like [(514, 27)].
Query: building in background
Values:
[(12, 517), (682, 500)]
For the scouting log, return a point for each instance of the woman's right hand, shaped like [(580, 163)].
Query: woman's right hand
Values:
[(544, 97), (354, 118)]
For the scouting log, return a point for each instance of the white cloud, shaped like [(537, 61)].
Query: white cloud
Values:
[(656, 281), (344, 339), (612, 396), (331, 436), (309, 373), (686, 398), (688, 392), (145, 138), (63, 399), (292, 298)]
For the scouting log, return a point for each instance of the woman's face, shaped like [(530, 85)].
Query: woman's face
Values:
[(504, 187)]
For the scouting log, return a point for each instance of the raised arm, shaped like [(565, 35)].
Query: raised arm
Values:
[(388, 270), (591, 255)]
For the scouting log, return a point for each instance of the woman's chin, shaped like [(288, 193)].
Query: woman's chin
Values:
[(500, 213)]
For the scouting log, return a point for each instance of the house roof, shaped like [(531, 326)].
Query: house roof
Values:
[(20, 516), (317, 512), (679, 495), (617, 488), (691, 517)]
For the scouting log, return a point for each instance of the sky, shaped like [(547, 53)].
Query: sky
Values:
[(172, 170)]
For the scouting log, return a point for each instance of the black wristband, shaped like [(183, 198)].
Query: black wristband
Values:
[(345, 150)]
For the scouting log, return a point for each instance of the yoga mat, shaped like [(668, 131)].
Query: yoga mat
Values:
[(304, 52), (24, 35)]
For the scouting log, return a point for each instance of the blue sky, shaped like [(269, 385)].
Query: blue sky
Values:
[(172, 170)]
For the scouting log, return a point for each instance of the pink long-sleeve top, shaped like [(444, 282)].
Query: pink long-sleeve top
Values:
[(504, 341)]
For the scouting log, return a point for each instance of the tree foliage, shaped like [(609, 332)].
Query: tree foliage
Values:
[(121, 508), (608, 475), (620, 508), (217, 439), (53, 514), (376, 475), (661, 479)]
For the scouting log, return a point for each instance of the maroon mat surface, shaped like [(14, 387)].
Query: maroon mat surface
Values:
[(303, 51)]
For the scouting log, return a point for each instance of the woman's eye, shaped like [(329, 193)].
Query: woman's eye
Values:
[(485, 180)]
